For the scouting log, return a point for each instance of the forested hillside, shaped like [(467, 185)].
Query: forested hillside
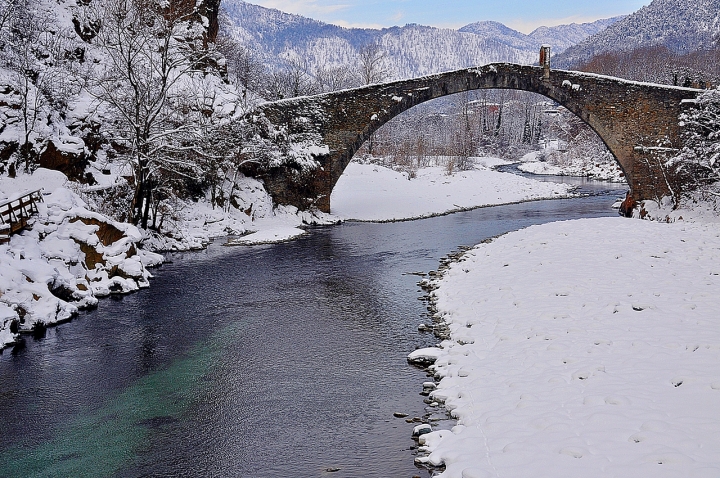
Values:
[(678, 25)]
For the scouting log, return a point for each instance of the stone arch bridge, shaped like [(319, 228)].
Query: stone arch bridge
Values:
[(637, 121)]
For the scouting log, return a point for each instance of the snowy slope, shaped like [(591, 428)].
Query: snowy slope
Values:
[(562, 37), (681, 25)]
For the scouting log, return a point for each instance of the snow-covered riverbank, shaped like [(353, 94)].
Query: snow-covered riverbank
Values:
[(583, 348), (68, 259), (72, 255), (370, 192), (606, 170)]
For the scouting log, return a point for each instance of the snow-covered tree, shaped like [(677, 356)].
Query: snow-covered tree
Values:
[(37, 56), (702, 125), (699, 161), (7, 10), (152, 62)]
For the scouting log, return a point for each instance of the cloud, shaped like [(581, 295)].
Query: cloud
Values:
[(301, 7)]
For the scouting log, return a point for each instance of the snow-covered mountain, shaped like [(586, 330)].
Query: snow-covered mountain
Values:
[(502, 34), (681, 25), (411, 50), (562, 37), (559, 37)]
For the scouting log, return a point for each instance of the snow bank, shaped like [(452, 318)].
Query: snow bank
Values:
[(693, 206), (581, 167), (582, 348), (42, 178), (193, 224), (370, 192), (69, 258), (268, 236)]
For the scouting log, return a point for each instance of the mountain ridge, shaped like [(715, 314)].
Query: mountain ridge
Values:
[(679, 25), (412, 50)]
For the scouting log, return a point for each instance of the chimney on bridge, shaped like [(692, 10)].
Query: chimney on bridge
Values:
[(545, 60)]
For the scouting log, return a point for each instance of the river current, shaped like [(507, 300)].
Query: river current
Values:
[(265, 361)]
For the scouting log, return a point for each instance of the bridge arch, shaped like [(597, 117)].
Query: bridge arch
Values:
[(373, 126), (638, 122)]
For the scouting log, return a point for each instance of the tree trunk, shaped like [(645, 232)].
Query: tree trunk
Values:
[(146, 206)]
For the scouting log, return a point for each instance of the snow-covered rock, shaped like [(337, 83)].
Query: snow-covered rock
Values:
[(421, 430), (424, 356), (65, 261)]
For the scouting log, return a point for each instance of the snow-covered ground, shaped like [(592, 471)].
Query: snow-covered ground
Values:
[(583, 348), (370, 192)]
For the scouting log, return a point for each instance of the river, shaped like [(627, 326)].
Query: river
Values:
[(266, 361)]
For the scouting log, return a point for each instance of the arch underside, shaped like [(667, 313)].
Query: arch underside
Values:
[(490, 80)]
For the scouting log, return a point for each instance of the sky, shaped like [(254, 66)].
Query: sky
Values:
[(522, 15)]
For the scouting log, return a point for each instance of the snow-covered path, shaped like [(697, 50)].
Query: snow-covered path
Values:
[(591, 348)]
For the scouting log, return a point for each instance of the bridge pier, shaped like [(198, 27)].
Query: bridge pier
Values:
[(637, 121)]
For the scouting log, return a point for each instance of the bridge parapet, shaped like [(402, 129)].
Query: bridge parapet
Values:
[(637, 121)]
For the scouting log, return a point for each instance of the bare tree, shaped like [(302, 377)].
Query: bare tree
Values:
[(299, 80), (293, 79), (372, 65), (245, 69), (143, 82), (334, 78), (372, 68)]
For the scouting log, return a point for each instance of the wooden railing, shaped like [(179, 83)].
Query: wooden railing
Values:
[(15, 212)]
